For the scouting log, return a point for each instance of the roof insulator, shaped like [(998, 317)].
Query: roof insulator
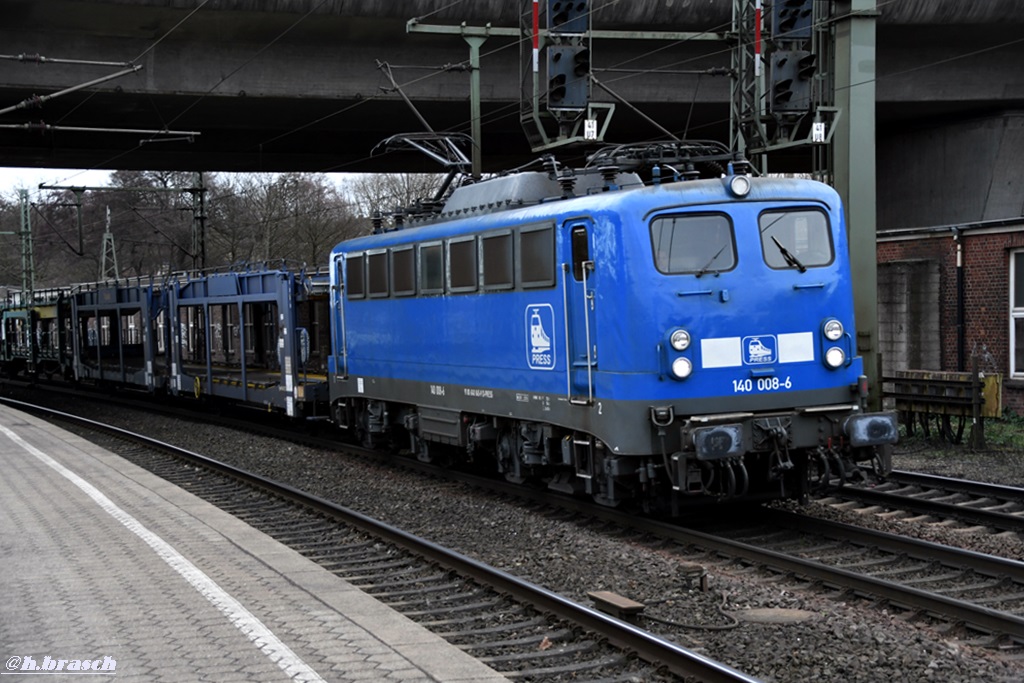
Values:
[(608, 173), (567, 179)]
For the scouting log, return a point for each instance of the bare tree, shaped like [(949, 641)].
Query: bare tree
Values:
[(10, 244), (152, 220), (273, 218), (229, 237), (320, 217), (388, 192)]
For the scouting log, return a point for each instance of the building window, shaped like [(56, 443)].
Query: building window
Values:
[(1017, 314)]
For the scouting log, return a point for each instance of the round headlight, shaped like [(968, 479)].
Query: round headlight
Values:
[(682, 367), (833, 330), (739, 185), (835, 357), (680, 340)]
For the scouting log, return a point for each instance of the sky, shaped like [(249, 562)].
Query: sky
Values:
[(12, 179)]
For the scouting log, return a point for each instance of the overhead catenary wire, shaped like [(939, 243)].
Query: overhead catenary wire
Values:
[(444, 7), (511, 109)]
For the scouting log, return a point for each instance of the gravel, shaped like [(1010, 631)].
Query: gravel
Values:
[(826, 638)]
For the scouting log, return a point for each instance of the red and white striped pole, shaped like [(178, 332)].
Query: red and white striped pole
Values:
[(536, 35), (757, 37)]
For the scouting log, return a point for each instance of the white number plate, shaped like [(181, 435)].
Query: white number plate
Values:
[(749, 385)]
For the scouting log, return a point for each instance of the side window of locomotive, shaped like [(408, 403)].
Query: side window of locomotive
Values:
[(462, 276), (496, 259), (403, 271), (378, 274), (537, 257), (355, 281), (693, 244), (432, 268), (796, 239), (580, 251)]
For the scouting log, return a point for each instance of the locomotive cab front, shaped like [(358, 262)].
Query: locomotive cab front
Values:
[(746, 305)]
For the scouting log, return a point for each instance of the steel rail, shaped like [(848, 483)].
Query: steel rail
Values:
[(907, 597), (975, 488), (647, 646), (978, 616), (1007, 521), (980, 516)]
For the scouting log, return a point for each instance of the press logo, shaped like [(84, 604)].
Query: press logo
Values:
[(540, 337), (48, 665), (760, 350)]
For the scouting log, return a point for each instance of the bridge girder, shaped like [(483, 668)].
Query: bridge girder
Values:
[(284, 91)]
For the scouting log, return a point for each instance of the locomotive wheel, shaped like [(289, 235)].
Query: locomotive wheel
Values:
[(423, 451), (819, 473), (604, 501), (505, 452), (363, 436), (434, 453)]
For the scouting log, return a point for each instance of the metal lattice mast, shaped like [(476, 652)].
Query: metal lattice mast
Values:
[(198, 192), (28, 273), (747, 131), (108, 262), (783, 89)]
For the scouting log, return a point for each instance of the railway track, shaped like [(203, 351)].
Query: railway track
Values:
[(980, 593), (518, 628), (976, 598), (996, 507)]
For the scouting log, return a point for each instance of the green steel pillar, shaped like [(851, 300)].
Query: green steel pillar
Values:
[(475, 42), (854, 146)]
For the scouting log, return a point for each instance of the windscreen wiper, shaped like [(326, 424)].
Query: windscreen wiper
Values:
[(707, 265), (790, 259)]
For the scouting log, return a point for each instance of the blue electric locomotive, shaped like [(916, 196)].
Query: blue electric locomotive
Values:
[(664, 341)]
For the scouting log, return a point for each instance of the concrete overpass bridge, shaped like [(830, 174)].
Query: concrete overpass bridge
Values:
[(295, 85)]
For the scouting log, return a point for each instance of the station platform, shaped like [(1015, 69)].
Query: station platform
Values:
[(107, 569)]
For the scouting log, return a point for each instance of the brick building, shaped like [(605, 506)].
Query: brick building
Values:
[(950, 294)]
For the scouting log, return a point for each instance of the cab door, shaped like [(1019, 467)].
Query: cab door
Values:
[(339, 344), (581, 337)]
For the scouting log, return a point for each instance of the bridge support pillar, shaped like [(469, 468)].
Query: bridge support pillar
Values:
[(855, 173)]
